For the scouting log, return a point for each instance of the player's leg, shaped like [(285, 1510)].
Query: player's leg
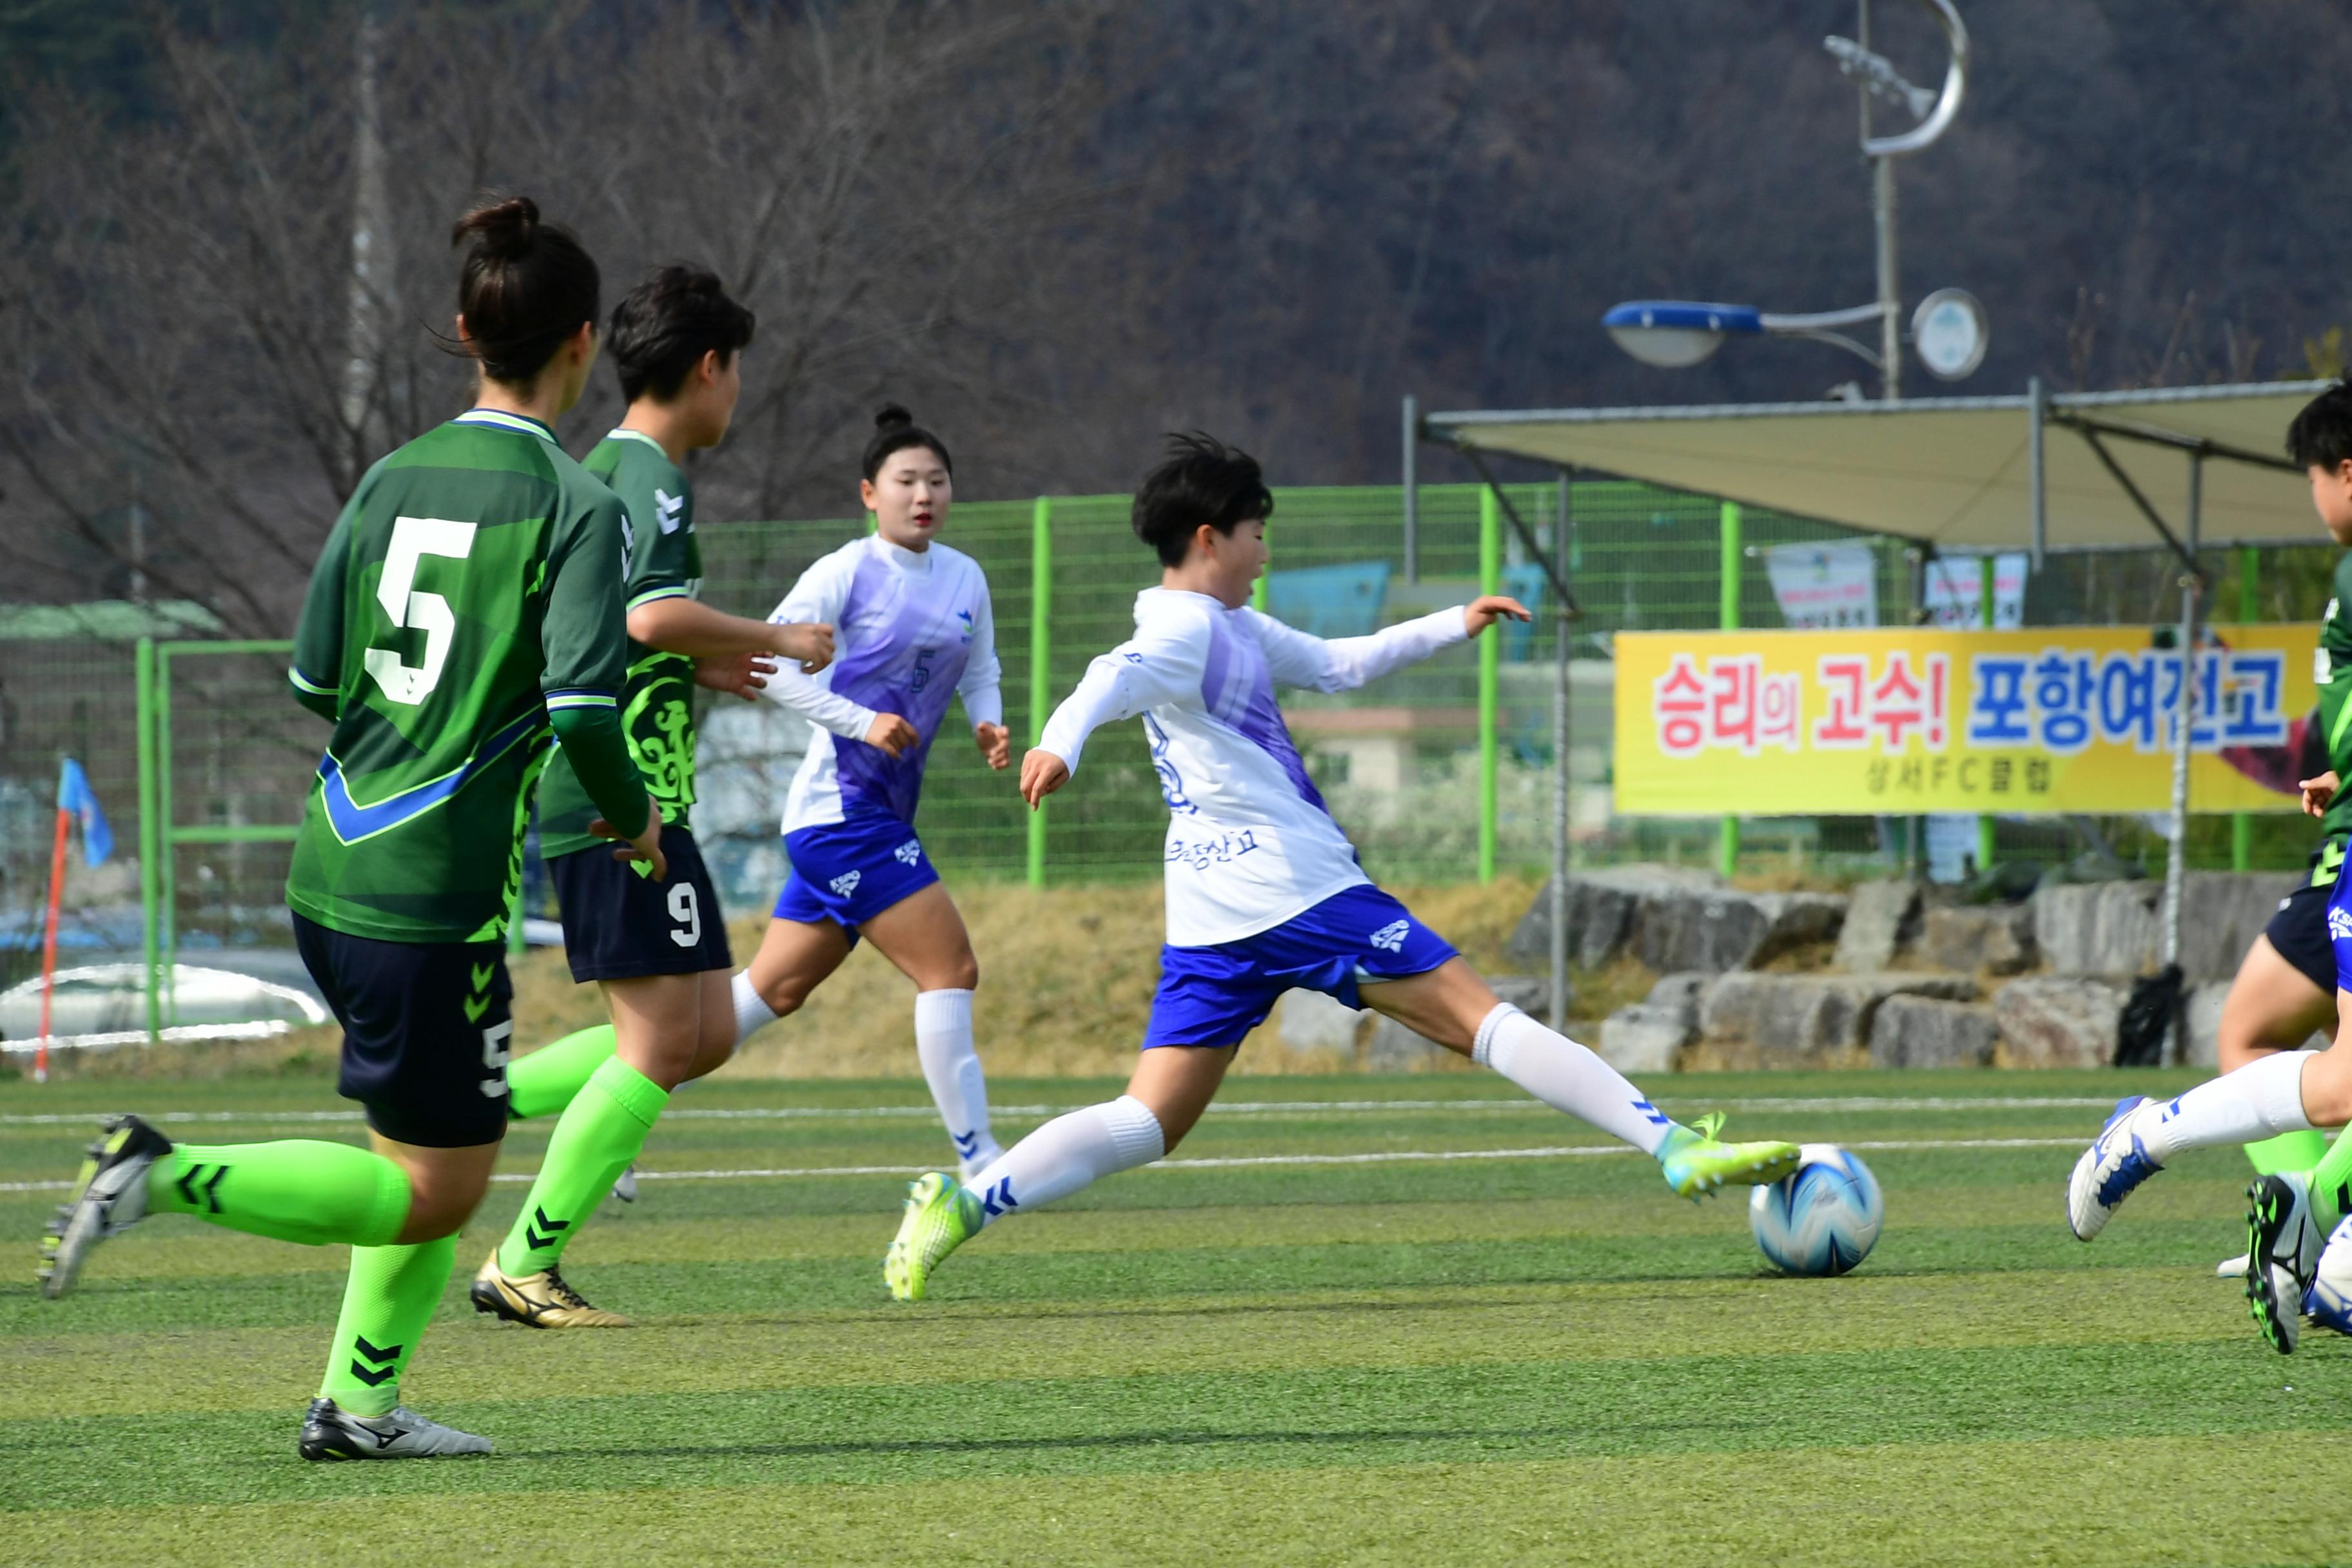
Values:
[(658, 1029), (1452, 1005), (388, 1301), (2283, 993), (923, 934), (1170, 1086)]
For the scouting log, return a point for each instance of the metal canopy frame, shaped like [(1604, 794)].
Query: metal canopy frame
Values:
[(2095, 417)]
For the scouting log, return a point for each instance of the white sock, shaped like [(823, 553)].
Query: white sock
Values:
[(1067, 1153), (751, 1010), (951, 1067), (2260, 1099), (1567, 1077)]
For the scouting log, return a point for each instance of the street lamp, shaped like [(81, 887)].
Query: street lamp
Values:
[(1948, 329)]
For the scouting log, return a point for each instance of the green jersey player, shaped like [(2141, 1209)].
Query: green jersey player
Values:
[(657, 949), (468, 602)]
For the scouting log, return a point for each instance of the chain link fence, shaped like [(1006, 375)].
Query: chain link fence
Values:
[(1398, 761)]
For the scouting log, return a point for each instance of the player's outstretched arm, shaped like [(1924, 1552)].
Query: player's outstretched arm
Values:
[(1163, 666), (1342, 664), (681, 625)]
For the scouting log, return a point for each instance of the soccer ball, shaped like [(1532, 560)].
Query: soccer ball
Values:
[(1822, 1220), (2328, 1302)]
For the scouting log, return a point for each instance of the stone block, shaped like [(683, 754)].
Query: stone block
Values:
[(2098, 928), (1793, 1017), (2223, 912), (1645, 1040), (1601, 906), (1880, 918), (2060, 1020), (1314, 1022), (2202, 1048), (1922, 1032), (1727, 929), (1997, 939)]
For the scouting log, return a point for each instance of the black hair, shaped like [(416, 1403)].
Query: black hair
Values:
[(663, 327), (2321, 435), (895, 430), (527, 285), (1201, 481)]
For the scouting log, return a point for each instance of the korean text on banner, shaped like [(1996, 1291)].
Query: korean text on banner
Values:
[(2069, 719), (1822, 586)]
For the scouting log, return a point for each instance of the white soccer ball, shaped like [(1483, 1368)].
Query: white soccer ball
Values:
[(2328, 1302), (1822, 1220)]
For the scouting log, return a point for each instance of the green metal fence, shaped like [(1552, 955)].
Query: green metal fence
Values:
[(1440, 772)]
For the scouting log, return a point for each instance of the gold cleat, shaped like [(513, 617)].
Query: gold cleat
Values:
[(541, 1300)]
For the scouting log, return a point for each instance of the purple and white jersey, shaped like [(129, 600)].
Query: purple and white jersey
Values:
[(1250, 844), (910, 632)]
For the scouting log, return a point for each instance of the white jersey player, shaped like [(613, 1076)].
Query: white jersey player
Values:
[(1264, 893)]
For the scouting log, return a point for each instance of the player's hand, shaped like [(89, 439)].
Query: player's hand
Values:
[(743, 674), (810, 643), (2320, 793), (892, 735), (645, 846), (1487, 608), (1042, 773), (996, 744)]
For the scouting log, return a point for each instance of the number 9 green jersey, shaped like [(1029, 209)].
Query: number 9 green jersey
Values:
[(468, 600)]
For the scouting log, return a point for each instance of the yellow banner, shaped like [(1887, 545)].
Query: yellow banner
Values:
[(1867, 722)]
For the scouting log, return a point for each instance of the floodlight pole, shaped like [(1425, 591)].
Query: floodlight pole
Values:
[(1410, 477), (1560, 798), (1882, 217)]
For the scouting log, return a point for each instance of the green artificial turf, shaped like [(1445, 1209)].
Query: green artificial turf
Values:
[(1541, 1357)]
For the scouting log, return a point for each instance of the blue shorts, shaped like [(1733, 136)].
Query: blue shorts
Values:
[(2339, 928), (848, 872), (1214, 996)]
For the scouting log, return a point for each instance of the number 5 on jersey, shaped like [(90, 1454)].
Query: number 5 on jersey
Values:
[(413, 539)]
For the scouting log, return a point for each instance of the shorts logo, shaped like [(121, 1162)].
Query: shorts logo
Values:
[(847, 883), (2339, 924), (1390, 937), (909, 852)]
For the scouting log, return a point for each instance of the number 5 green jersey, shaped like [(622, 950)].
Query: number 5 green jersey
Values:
[(468, 600), (657, 702)]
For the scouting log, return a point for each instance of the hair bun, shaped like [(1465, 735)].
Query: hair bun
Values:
[(892, 417), (504, 228)]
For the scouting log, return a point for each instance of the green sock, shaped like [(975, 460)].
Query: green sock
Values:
[(2288, 1153), (598, 1133), (2331, 1176), (390, 1299), (296, 1189), (543, 1083)]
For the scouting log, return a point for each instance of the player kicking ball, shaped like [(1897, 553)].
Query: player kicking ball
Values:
[(468, 600), (2280, 1094), (658, 948), (1263, 892)]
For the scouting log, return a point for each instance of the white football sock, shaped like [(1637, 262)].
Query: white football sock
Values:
[(751, 1010), (951, 1067), (1067, 1153), (2260, 1099), (1567, 1077)]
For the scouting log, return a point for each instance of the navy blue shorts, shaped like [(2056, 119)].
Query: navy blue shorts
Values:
[(2299, 931), (621, 924), (426, 1027), (1214, 996), (849, 871)]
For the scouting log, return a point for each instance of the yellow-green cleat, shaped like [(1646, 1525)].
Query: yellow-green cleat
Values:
[(939, 1218), (1696, 1164)]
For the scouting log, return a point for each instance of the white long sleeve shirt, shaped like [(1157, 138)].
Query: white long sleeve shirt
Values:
[(1250, 843), (910, 629)]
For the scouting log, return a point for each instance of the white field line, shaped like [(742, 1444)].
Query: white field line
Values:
[(1240, 1162), (1856, 1104)]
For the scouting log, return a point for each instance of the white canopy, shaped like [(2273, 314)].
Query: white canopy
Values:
[(1955, 471)]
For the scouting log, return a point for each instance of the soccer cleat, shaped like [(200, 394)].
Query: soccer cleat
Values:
[(2282, 1253), (330, 1432), (2117, 1162), (541, 1300), (2230, 1267), (110, 1196), (1694, 1164), (624, 1186), (938, 1220)]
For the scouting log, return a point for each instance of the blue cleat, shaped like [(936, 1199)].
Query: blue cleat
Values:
[(2117, 1162)]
